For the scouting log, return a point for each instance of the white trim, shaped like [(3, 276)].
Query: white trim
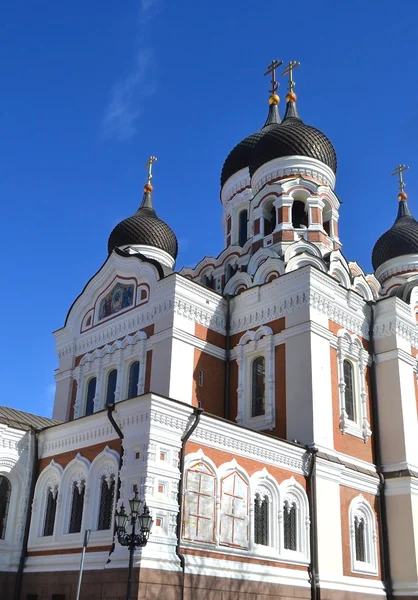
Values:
[(359, 507)]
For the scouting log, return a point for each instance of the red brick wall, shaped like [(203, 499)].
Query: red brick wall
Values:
[(90, 452), (210, 336), (211, 394)]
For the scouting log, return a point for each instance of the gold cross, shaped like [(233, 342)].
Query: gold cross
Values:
[(148, 166), (398, 171), (275, 64), (293, 64)]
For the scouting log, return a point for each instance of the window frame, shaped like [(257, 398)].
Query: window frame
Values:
[(360, 507), (210, 472), (292, 492), (138, 379), (6, 518), (350, 349)]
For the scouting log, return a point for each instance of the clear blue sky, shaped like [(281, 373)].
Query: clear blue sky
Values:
[(91, 88)]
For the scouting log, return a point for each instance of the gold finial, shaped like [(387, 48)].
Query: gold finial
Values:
[(398, 171), (275, 64), (151, 161), (293, 64)]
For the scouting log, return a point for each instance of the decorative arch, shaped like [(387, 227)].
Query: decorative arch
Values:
[(234, 506), (239, 279), (363, 536), (265, 498), (301, 247), (294, 520), (271, 265), (17, 493), (49, 481), (302, 260), (104, 468), (74, 477), (199, 518)]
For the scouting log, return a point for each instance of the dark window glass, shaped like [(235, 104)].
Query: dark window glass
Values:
[(106, 504), (111, 386), (58, 597), (289, 526), (91, 392), (261, 524), (51, 509), (31, 596), (76, 508), (359, 535), (270, 223), (133, 380), (242, 227), (5, 491), (349, 390), (258, 387), (299, 216)]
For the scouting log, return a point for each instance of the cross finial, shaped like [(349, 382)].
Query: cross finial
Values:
[(293, 64), (151, 161), (275, 64), (398, 171)]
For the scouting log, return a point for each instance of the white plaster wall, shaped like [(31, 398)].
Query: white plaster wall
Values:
[(62, 400), (403, 537), (160, 367), (299, 409), (181, 371), (330, 556), (321, 391)]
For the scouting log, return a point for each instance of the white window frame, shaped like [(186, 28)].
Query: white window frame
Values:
[(252, 345), (350, 348), (291, 491), (76, 472), (197, 460), (359, 507), (264, 484), (49, 479)]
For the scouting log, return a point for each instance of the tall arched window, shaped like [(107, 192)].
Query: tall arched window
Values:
[(289, 525), (242, 227), (299, 215), (107, 492), (359, 536), (5, 491), (363, 537), (261, 520), (349, 392), (258, 386), (91, 392), (234, 510), (199, 512), (77, 506), (111, 386), (50, 510), (133, 379)]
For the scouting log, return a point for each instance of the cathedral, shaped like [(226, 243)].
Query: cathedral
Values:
[(262, 405)]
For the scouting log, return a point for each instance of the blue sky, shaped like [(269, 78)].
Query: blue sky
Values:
[(91, 89)]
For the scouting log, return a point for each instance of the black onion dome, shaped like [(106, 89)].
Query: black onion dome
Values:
[(294, 138), (242, 155), (144, 228), (400, 239)]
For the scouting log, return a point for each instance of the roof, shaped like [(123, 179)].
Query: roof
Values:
[(18, 419), (401, 239)]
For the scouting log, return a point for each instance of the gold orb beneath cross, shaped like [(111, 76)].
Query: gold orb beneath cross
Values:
[(402, 196), (148, 187), (291, 97), (274, 99)]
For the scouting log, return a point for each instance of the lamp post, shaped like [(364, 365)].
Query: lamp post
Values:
[(133, 540)]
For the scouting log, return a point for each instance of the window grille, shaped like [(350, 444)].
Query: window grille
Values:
[(243, 227), (261, 524), (91, 392), (77, 508), (289, 525), (106, 503), (133, 380), (349, 390), (51, 509), (258, 386), (5, 491), (359, 535), (111, 386)]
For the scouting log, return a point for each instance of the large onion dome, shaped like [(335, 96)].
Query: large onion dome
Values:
[(144, 228), (242, 155), (294, 138), (400, 239)]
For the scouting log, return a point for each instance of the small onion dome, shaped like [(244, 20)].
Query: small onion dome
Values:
[(294, 138), (144, 228), (242, 155), (400, 239)]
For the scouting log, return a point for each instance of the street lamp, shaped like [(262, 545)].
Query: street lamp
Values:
[(133, 540)]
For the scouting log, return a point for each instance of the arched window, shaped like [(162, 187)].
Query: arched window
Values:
[(107, 492), (133, 379), (349, 392), (363, 537), (299, 215), (290, 525), (77, 506), (234, 509), (261, 520), (199, 506), (5, 491), (242, 227), (258, 386), (271, 222), (50, 510), (111, 386), (91, 392)]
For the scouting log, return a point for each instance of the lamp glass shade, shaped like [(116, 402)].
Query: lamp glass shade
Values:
[(145, 520), (135, 504), (121, 519)]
